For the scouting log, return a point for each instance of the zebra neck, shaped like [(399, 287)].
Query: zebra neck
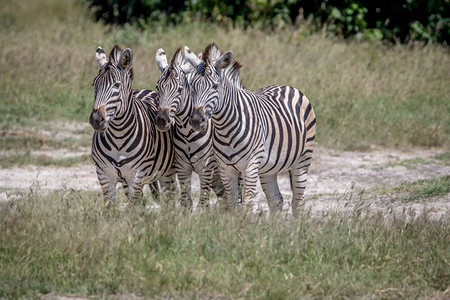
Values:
[(125, 107), (126, 117), (228, 98), (184, 111)]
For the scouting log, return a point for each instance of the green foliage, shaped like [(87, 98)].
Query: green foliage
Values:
[(67, 243), (393, 21)]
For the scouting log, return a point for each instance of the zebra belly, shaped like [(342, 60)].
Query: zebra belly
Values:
[(232, 160), (281, 154), (277, 162)]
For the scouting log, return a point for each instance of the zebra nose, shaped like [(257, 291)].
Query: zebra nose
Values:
[(163, 120), (97, 120), (198, 119)]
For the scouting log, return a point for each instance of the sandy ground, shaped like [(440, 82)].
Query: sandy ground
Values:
[(336, 180)]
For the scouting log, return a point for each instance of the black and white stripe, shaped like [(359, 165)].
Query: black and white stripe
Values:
[(193, 150), (126, 147), (256, 134)]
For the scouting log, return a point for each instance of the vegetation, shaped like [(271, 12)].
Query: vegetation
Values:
[(392, 21), (364, 94), (419, 190), (67, 244)]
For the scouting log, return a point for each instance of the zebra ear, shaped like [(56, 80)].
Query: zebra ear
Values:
[(100, 57), (126, 59), (161, 59), (225, 60), (114, 55), (191, 57)]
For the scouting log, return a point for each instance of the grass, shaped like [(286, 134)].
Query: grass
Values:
[(26, 158), (420, 190), (28, 146), (66, 243), (364, 94), (444, 158)]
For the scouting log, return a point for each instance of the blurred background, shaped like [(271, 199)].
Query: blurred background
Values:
[(376, 72)]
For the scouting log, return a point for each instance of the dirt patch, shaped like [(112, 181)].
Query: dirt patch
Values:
[(336, 180)]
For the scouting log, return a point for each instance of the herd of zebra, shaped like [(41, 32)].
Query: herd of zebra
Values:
[(201, 119)]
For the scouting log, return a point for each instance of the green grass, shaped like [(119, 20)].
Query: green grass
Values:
[(25, 158), (364, 94), (444, 158), (27, 146), (419, 190), (66, 243)]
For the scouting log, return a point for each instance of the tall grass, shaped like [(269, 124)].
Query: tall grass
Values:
[(67, 244), (364, 94)]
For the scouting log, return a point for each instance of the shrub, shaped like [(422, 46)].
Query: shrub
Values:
[(401, 20)]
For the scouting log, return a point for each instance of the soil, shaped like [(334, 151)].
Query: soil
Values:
[(337, 181)]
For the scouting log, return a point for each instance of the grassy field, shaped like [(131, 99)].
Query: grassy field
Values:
[(67, 244), (364, 94)]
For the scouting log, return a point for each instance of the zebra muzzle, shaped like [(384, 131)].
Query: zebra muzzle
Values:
[(97, 120), (163, 120), (198, 119)]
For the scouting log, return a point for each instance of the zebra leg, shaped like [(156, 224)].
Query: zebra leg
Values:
[(168, 186), (270, 187), (124, 187), (218, 188), (108, 185), (231, 185), (298, 185), (154, 190), (250, 178), (206, 178), (135, 191), (184, 176)]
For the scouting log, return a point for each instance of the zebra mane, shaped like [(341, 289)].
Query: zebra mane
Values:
[(175, 56), (211, 54), (201, 68), (232, 73)]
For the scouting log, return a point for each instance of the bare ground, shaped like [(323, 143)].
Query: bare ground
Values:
[(337, 181)]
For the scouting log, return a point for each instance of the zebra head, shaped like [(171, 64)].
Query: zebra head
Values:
[(206, 83), (173, 88), (112, 86)]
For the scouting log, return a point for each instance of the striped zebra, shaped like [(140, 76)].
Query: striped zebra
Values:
[(126, 147), (257, 134), (193, 150)]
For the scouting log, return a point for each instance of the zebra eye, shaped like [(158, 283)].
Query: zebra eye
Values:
[(180, 89), (215, 86)]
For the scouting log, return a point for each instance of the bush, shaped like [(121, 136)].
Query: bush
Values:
[(396, 21)]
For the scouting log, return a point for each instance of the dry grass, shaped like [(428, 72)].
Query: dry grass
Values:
[(364, 94), (66, 243)]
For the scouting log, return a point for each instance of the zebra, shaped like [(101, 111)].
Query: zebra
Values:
[(193, 150), (126, 147), (256, 134)]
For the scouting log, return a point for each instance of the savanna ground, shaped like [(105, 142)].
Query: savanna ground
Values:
[(375, 222)]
